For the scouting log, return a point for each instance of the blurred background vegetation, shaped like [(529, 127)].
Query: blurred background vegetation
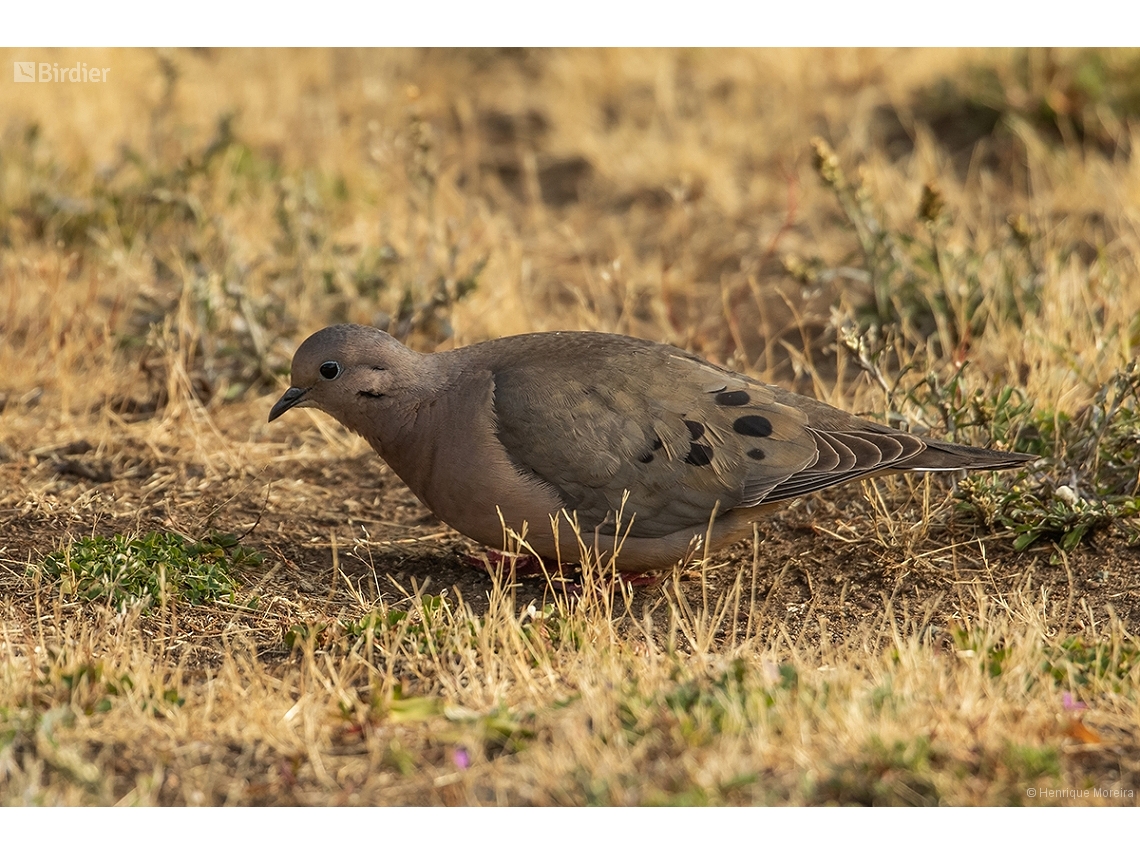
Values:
[(235, 200)]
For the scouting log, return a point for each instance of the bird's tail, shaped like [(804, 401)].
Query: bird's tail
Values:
[(949, 457)]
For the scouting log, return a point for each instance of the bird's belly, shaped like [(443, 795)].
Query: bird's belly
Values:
[(557, 538), (488, 507)]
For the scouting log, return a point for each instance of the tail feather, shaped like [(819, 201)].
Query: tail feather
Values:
[(949, 457)]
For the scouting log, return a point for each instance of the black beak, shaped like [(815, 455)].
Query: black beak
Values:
[(290, 399)]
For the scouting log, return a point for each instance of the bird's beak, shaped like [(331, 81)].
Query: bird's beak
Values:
[(292, 397)]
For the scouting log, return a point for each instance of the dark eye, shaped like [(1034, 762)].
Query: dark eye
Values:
[(330, 370)]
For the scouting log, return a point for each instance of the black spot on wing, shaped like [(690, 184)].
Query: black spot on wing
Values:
[(752, 426), (756, 453), (648, 456), (733, 399), (696, 429), (699, 455)]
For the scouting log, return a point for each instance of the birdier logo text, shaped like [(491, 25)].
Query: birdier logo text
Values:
[(53, 72)]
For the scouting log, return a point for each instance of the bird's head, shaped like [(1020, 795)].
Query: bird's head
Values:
[(341, 368)]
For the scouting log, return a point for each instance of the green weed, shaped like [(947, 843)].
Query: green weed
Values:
[(152, 568)]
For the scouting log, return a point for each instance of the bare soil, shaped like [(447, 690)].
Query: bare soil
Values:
[(820, 570)]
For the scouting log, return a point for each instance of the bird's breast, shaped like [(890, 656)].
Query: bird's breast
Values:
[(451, 458)]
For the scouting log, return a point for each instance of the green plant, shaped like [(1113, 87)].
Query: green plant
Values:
[(1090, 474), (149, 568)]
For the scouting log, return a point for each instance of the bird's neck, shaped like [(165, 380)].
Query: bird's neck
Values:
[(431, 405)]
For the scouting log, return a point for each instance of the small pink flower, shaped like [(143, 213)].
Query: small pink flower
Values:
[(460, 757), (1071, 705)]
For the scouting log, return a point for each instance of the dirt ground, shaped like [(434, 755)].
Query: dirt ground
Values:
[(822, 569)]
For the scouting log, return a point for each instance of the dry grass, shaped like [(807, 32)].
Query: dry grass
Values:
[(168, 238)]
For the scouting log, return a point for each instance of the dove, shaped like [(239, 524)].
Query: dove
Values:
[(636, 451)]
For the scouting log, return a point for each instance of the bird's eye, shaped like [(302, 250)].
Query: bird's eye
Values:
[(330, 370)]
